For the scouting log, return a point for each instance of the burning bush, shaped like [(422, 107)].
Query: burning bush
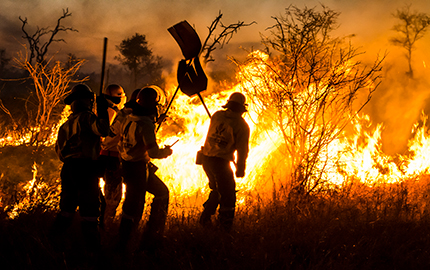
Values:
[(29, 179), (305, 88)]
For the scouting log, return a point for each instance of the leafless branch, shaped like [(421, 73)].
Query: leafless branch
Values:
[(39, 50), (213, 40)]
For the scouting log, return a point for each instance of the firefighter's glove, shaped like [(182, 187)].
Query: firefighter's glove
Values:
[(102, 107), (240, 170), (240, 173), (167, 151)]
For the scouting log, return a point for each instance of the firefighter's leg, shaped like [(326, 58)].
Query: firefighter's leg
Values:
[(211, 204), (91, 234), (135, 181), (68, 204), (102, 209), (154, 229), (124, 233), (113, 187), (57, 233), (89, 209), (227, 190), (210, 207)]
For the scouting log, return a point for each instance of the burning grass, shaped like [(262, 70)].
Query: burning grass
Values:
[(344, 205), (372, 228), (352, 224)]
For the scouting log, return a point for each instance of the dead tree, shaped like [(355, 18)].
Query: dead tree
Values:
[(39, 49), (51, 81), (50, 78), (213, 40), (411, 28)]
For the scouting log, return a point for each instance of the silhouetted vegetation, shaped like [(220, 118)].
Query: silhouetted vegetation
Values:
[(355, 227)]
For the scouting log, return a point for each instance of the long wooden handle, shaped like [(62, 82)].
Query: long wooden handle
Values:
[(103, 66)]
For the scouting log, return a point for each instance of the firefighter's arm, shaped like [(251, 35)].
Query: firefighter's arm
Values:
[(242, 141), (115, 127), (101, 125), (154, 151), (102, 107)]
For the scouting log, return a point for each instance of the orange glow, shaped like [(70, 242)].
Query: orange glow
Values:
[(352, 157)]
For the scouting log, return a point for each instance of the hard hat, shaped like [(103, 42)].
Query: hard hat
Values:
[(148, 95), (238, 97), (114, 93), (134, 94), (79, 91), (236, 101), (114, 90)]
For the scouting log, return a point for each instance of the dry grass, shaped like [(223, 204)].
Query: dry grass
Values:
[(373, 230), (354, 227)]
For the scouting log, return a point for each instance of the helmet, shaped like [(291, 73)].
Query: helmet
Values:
[(114, 90), (237, 97), (79, 91), (115, 93), (134, 94), (148, 96), (236, 102)]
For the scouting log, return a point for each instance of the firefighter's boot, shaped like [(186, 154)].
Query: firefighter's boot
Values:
[(91, 235), (58, 230), (153, 234), (205, 218), (210, 207), (125, 228), (226, 218)]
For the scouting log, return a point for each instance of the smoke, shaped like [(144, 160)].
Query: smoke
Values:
[(399, 100), (397, 103), (10, 33)]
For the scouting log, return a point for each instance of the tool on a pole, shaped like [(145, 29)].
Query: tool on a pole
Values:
[(114, 99), (173, 143), (191, 78), (103, 65)]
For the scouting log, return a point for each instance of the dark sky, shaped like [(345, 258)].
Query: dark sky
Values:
[(370, 20)]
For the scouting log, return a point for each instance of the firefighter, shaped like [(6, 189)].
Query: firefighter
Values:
[(137, 146), (109, 155), (78, 146), (228, 132), (113, 189)]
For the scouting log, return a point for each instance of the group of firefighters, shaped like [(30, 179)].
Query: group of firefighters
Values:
[(116, 140)]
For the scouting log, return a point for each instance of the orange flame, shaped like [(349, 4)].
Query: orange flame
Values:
[(351, 157)]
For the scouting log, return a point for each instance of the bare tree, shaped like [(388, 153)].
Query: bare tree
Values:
[(51, 83), (50, 79), (411, 28), (39, 49), (305, 86), (213, 40)]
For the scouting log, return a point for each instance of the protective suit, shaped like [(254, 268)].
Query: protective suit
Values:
[(137, 146), (228, 133), (78, 146)]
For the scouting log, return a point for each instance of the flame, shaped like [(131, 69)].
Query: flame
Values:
[(34, 191), (355, 156), (15, 138)]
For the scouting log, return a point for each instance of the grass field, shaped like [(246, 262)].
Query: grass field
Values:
[(382, 228)]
